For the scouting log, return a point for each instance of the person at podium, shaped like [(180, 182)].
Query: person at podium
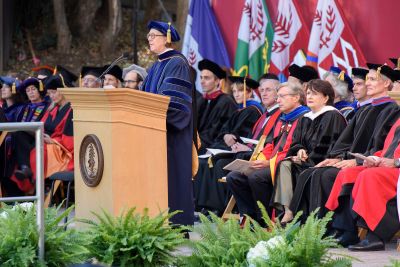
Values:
[(170, 76)]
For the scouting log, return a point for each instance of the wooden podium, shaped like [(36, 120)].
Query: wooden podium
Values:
[(131, 131)]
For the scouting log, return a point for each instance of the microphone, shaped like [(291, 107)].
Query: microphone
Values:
[(124, 56)]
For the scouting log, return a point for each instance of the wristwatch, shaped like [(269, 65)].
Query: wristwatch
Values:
[(397, 163)]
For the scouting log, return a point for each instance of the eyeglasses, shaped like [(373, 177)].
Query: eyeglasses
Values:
[(151, 36), (130, 81), (283, 95)]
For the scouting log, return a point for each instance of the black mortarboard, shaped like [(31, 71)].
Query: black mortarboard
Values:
[(163, 27), (55, 81), (396, 75), (115, 71), (396, 62), (383, 69), (359, 73), (90, 70), (304, 73), (69, 77), (249, 82), (373, 66), (207, 64), (43, 70)]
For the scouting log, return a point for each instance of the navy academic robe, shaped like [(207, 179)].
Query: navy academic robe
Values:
[(170, 76)]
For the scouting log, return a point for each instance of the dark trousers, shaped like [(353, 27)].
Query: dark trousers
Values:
[(247, 190), (24, 142)]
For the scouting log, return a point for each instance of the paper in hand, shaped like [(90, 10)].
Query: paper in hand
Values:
[(240, 165), (361, 156)]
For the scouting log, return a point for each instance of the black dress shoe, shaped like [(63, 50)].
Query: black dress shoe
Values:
[(366, 245), (348, 238), (24, 173)]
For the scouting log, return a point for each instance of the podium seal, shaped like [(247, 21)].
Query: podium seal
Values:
[(91, 160)]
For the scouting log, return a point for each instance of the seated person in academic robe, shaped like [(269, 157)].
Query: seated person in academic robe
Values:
[(257, 186), (342, 84), (339, 189), (374, 195), (133, 76), (302, 75), (216, 107), (113, 77), (13, 104), (243, 119), (58, 137), (239, 125), (359, 90), (90, 77), (365, 133), (315, 134), (170, 76), (23, 142), (13, 107)]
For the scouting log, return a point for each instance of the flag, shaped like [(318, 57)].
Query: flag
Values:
[(254, 40), (332, 42), (290, 39), (203, 38)]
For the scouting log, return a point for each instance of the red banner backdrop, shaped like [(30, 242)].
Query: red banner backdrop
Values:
[(373, 23)]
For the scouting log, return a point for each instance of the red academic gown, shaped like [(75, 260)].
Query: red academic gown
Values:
[(58, 125), (371, 184)]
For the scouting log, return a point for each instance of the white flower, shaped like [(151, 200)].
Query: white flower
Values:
[(26, 206), (4, 215), (260, 251)]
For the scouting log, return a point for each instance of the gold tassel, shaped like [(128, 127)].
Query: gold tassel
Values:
[(14, 88), (169, 33), (378, 73), (55, 71), (40, 86), (398, 63), (80, 79), (62, 80), (341, 75), (244, 92), (210, 163)]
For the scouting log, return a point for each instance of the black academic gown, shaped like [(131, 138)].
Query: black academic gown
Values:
[(170, 76), (212, 116), (365, 134), (240, 124), (316, 136)]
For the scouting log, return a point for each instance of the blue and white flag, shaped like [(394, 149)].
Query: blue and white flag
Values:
[(203, 38)]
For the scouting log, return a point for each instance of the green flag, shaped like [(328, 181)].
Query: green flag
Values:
[(254, 40)]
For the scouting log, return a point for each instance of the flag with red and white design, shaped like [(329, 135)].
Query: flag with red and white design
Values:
[(290, 39), (332, 42)]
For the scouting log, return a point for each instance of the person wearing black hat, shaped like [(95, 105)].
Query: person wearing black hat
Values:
[(240, 124), (68, 76), (364, 134), (170, 76), (216, 107), (24, 141), (361, 98), (113, 78), (90, 77), (396, 83)]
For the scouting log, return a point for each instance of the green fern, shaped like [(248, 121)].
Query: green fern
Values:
[(133, 239), (226, 244), (19, 239)]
